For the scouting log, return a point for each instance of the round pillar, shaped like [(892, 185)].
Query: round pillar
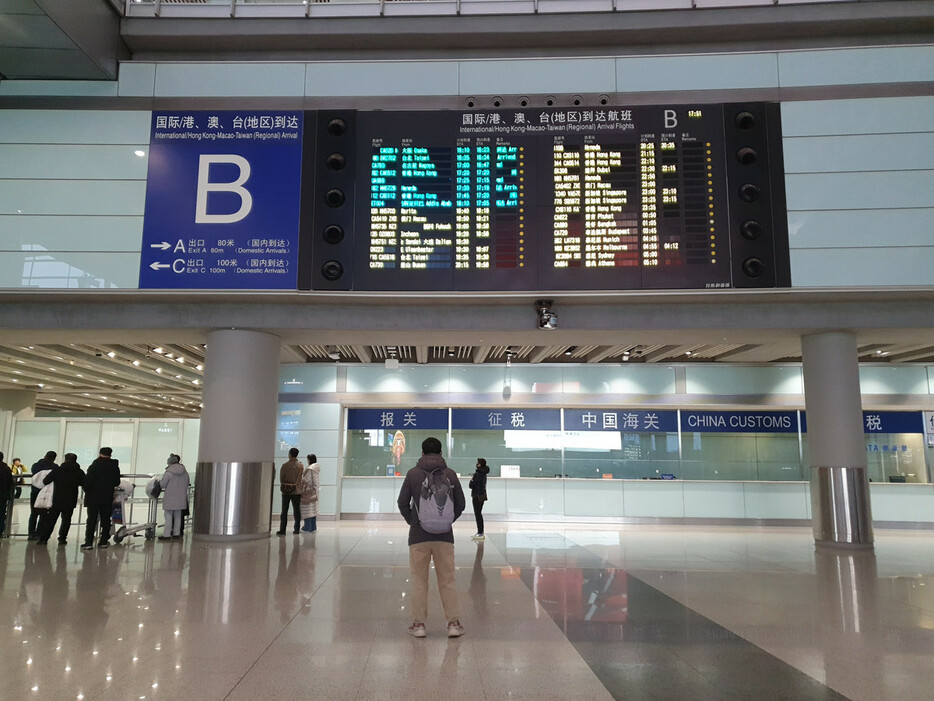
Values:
[(840, 509), (236, 470)]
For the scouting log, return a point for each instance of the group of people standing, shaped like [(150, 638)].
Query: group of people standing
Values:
[(99, 482), (299, 485)]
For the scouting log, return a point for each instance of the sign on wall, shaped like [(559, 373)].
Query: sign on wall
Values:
[(397, 419), (222, 201), (739, 421), (623, 420), (506, 419)]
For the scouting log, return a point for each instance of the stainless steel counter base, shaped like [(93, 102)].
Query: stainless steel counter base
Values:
[(233, 500), (840, 507)]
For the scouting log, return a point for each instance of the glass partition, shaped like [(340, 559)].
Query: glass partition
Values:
[(153, 445), (83, 438), (386, 452), (527, 453), (740, 456), (620, 455), (33, 438)]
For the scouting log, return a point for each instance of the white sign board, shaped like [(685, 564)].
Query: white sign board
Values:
[(509, 471)]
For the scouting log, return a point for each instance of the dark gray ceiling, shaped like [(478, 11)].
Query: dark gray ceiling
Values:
[(59, 39)]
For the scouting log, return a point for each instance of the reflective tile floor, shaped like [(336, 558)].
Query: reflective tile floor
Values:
[(551, 612)]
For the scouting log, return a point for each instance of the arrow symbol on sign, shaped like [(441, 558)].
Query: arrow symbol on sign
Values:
[(156, 266), (162, 246)]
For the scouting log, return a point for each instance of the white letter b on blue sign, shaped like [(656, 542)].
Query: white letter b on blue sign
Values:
[(236, 187)]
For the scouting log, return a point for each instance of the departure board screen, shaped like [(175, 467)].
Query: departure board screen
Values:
[(549, 199)]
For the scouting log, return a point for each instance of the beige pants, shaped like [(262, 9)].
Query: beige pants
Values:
[(420, 555)]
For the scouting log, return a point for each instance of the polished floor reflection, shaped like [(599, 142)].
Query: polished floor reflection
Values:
[(551, 612)]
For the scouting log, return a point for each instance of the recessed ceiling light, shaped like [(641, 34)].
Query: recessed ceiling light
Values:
[(111, 354)]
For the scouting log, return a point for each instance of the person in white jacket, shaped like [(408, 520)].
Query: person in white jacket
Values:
[(174, 483), (310, 485)]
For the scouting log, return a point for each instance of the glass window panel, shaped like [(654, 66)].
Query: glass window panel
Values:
[(154, 443), (537, 453), (740, 456), (378, 452), (83, 438), (35, 438), (119, 436), (895, 457), (623, 456)]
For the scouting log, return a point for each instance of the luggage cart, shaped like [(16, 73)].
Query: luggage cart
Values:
[(123, 496)]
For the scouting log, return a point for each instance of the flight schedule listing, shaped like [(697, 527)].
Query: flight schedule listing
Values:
[(542, 199)]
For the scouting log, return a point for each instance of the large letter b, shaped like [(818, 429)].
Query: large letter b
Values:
[(205, 186)]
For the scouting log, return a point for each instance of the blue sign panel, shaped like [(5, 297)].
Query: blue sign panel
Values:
[(397, 419), (624, 420), (506, 419), (223, 198), (739, 421), (885, 422)]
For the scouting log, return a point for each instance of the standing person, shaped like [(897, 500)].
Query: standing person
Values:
[(478, 494), (310, 484), (424, 545), (290, 484), (46, 463), (99, 484), (67, 478), (6, 493), (174, 483)]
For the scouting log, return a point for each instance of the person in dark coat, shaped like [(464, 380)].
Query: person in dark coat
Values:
[(67, 478), (478, 494), (46, 463), (99, 484), (6, 493)]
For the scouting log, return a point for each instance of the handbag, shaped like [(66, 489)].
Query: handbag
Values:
[(286, 488), (44, 497), (154, 488)]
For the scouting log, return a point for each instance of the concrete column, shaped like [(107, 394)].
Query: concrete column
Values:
[(236, 469), (839, 485)]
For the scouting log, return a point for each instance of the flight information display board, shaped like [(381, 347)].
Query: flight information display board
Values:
[(609, 198)]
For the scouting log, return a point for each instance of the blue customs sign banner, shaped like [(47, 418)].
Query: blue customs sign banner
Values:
[(222, 201)]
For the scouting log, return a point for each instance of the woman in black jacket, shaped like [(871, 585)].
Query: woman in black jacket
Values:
[(478, 494)]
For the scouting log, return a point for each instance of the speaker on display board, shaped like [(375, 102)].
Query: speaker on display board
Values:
[(756, 179), (326, 251)]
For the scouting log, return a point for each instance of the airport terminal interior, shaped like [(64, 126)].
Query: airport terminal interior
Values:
[(664, 264)]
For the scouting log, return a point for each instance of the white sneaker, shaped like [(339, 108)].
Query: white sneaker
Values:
[(455, 629), (417, 630), (478, 536)]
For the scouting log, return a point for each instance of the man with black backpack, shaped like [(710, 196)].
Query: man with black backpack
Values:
[(430, 500)]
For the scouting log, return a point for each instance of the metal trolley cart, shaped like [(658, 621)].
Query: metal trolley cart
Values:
[(123, 510)]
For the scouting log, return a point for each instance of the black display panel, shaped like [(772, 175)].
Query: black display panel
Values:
[(647, 197)]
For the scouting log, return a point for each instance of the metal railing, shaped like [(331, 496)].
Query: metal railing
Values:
[(18, 514)]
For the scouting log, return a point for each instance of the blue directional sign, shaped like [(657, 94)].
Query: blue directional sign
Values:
[(739, 421), (506, 419), (885, 422), (621, 420), (222, 201), (397, 419)]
